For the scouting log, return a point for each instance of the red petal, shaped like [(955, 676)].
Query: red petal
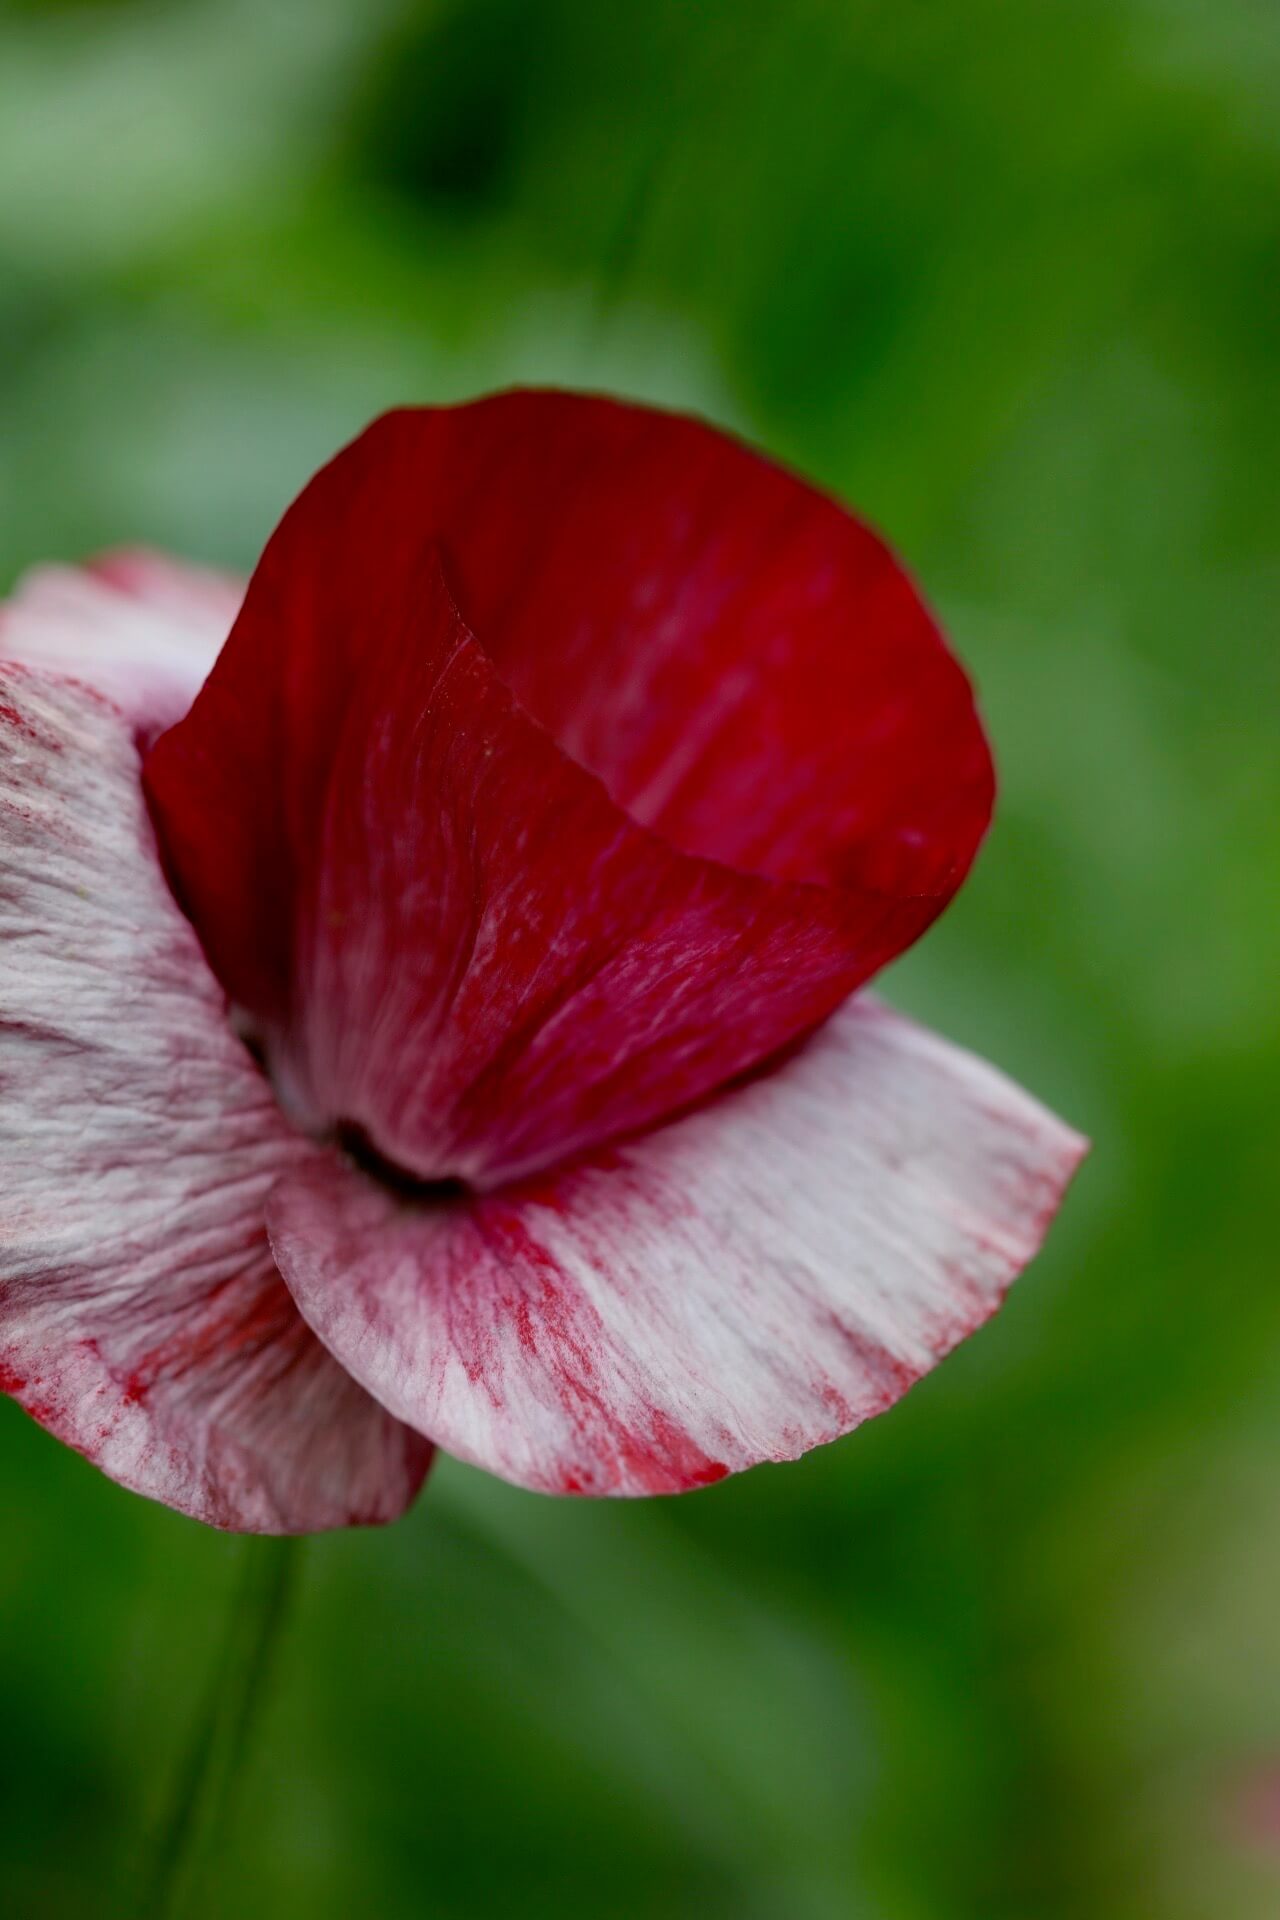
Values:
[(451, 936), (142, 1318), (742, 1285)]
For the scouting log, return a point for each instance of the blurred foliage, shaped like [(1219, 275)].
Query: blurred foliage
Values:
[(1005, 277)]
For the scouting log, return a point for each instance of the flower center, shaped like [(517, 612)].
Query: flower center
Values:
[(349, 1136), (354, 1141)]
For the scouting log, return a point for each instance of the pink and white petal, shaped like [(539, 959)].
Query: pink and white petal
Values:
[(141, 628), (748, 1282), (204, 600), (142, 1318)]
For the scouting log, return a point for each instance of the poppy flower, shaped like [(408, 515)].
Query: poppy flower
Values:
[(427, 982)]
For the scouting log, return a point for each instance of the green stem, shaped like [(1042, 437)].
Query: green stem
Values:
[(204, 1797)]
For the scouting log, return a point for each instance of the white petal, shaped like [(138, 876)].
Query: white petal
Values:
[(139, 627), (743, 1284), (141, 1316)]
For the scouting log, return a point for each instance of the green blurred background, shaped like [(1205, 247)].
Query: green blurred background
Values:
[(1005, 276)]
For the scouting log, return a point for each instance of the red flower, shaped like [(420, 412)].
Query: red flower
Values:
[(566, 769)]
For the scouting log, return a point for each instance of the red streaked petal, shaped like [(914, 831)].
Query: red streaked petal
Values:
[(744, 1284), (742, 661), (142, 1318), (493, 966), (393, 839), (141, 628)]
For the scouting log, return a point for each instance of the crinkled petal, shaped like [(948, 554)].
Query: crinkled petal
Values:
[(496, 889), (142, 1318), (746, 1283), (141, 628)]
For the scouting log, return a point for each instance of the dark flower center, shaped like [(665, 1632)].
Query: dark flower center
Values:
[(354, 1141)]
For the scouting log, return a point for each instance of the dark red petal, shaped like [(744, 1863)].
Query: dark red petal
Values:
[(451, 935), (142, 1318), (742, 1285)]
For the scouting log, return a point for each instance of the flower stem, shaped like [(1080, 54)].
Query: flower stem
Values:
[(204, 1795)]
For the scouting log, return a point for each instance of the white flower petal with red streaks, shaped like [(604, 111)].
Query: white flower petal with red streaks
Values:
[(142, 1319), (141, 628), (748, 1282)]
